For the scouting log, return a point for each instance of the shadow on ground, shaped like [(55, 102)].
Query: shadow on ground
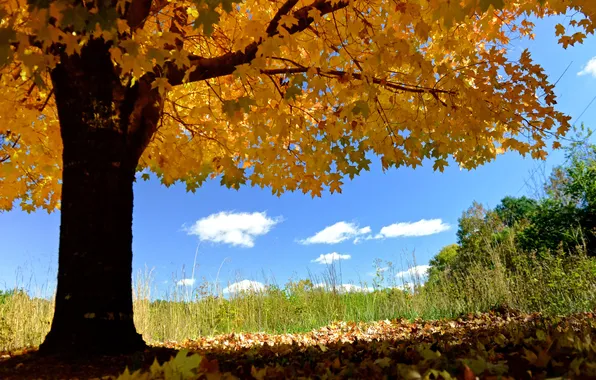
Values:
[(500, 344)]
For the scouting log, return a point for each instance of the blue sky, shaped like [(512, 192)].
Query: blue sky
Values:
[(255, 232)]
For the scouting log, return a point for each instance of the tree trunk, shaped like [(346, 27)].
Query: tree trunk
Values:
[(94, 311)]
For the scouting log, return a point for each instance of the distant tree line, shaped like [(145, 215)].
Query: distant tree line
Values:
[(562, 222)]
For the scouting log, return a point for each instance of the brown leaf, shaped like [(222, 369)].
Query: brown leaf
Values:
[(468, 373)]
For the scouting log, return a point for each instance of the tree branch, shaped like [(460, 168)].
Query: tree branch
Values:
[(137, 12), (207, 68), (284, 10), (12, 146), (343, 74)]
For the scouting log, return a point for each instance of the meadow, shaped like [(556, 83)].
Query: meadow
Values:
[(555, 285)]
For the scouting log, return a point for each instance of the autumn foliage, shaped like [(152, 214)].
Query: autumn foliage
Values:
[(289, 95)]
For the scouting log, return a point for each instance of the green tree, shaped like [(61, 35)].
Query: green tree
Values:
[(478, 229), (567, 219), (553, 228), (513, 211), (442, 261)]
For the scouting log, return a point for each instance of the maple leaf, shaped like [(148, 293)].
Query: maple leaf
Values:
[(186, 364), (292, 92), (496, 4), (440, 165), (295, 87), (130, 47), (207, 18), (227, 5), (231, 107), (288, 21), (162, 85), (361, 108), (7, 35), (559, 30), (259, 374), (335, 187), (77, 17)]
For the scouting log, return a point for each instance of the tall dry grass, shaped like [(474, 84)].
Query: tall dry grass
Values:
[(553, 285)]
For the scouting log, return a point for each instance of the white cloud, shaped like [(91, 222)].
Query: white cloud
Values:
[(186, 282), (245, 285), (406, 286), (344, 288), (359, 239), (330, 258), (238, 229), (417, 271), (589, 68), (355, 288), (365, 230), (382, 269), (337, 233), (422, 227)]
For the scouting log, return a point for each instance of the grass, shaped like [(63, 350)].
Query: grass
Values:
[(553, 286)]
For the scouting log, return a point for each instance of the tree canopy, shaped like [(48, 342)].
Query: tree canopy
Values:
[(290, 95)]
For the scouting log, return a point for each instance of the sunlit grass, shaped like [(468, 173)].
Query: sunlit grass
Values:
[(550, 285)]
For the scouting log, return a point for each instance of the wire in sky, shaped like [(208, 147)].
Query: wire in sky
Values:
[(584, 111), (568, 66)]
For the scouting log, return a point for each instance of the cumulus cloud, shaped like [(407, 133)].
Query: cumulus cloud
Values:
[(365, 230), (408, 286), (186, 282), (330, 258), (359, 239), (382, 270), (337, 233), (344, 288), (589, 68), (422, 227), (245, 285), (237, 229), (417, 271)]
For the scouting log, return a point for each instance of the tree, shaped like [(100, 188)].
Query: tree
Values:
[(443, 260), (567, 219), (291, 95), (481, 231), (573, 182), (554, 227), (513, 210), (477, 229), (564, 222)]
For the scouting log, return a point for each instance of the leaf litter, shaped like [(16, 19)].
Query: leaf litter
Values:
[(500, 344)]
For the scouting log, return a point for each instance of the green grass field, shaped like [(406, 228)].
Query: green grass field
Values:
[(554, 286)]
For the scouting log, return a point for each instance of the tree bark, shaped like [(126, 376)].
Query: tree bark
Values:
[(94, 310)]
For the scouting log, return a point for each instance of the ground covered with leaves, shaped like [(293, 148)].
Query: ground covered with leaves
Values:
[(499, 344)]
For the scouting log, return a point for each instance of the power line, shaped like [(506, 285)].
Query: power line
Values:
[(568, 66), (558, 79), (584, 111)]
